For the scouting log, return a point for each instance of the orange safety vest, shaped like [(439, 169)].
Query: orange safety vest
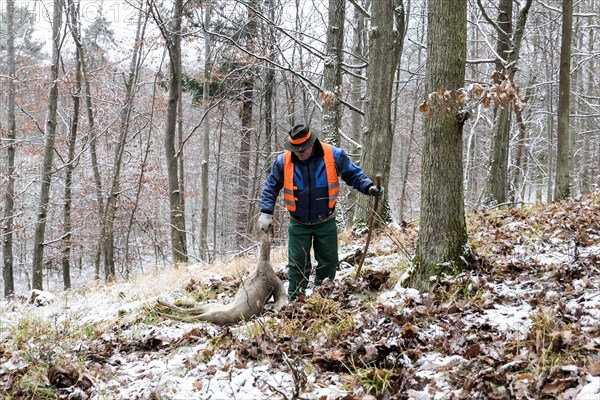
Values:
[(333, 183)]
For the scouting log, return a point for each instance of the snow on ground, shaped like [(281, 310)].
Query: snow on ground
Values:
[(137, 375)]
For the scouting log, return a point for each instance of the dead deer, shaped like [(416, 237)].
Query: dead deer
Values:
[(249, 301)]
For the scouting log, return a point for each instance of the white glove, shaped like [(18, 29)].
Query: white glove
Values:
[(265, 221)]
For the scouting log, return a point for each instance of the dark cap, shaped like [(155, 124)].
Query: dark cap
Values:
[(300, 138)]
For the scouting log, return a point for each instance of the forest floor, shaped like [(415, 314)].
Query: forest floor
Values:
[(522, 322)]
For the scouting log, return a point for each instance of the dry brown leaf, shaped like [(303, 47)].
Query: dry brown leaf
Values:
[(472, 351), (558, 386), (409, 330), (485, 102), (461, 96), (496, 77), (477, 89), (524, 377), (197, 385), (594, 368)]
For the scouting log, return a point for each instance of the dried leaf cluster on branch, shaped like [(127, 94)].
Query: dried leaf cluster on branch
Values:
[(501, 92)]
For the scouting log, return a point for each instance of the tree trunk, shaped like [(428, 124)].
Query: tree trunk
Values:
[(217, 183), (550, 141), (92, 141), (70, 167), (473, 167), (180, 146), (385, 47), (73, 23), (204, 190), (73, 20), (406, 164), (358, 87), (562, 188), (587, 178), (50, 133), (508, 50), (110, 209), (407, 154), (497, 188), (172, 36), (520, 165), (144, 155), (441, 246), (269, 96), (332, 72), (246, 133), (9, 192)]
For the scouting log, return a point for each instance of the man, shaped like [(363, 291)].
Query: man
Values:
[(308, 174)]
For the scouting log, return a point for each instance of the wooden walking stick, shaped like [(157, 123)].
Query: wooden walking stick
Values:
[(370, 226)]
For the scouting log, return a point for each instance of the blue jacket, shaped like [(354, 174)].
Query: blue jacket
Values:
[(311, 179)]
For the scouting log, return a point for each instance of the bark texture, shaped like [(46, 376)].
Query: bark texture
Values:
[(332, 72), (442, 233)]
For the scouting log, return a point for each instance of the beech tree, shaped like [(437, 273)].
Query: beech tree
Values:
[(441, 246)]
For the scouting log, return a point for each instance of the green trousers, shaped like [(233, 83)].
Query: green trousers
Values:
[(324, 241)]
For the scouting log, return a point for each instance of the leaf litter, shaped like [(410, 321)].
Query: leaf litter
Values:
[(522, 322)]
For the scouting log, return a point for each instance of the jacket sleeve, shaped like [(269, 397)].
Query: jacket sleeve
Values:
[(272, 187), (351, 173)]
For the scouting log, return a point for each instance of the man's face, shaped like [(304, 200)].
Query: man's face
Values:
[(304, 154)]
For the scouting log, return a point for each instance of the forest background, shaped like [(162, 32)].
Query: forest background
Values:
[(138, 134)]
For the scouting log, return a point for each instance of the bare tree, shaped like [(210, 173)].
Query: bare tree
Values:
[(507, 55), (587, 179), (562, 188), (358, 87), (50, 133), (171, 33), (9, 192), (91, 136), (204, 185), (110, 211), (386, 38), (247, 129), (67, 237)]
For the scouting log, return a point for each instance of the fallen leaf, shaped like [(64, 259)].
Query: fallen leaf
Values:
[(409, 331), (558, 386), (524, 377), (472, 351), (594, 368), (197, 385)]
